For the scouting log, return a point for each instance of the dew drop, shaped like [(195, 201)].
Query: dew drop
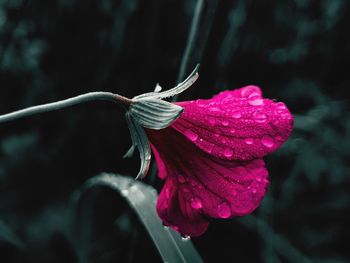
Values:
[(259, 117), (258, 179), (249, 90), (236, 115), (125, 192), (181, 179), (209, 148), (232, 131), (254, 95), (196, 203), (191, 135), (254, 191), (228, 152), (280, 106), (225, 123), (186, 238), (216, 135), (133, 188), (200, 103), (214, 109), (267, 141), (224, 210), (249, 141), (256, 102)]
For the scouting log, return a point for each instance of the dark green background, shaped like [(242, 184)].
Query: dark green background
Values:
[(296, 51)]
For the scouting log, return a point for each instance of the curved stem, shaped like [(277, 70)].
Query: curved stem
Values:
[(91, 96)]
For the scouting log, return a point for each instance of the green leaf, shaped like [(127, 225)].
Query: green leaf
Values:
[(142, 199)]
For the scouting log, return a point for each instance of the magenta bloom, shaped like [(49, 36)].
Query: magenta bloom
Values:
[(211, 157)]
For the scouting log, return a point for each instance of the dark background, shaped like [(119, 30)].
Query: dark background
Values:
[(297, 51)]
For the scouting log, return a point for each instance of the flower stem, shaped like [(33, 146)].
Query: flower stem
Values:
[(91, 96)]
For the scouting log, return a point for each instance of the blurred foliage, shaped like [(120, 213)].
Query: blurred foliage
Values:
[(298, 51)]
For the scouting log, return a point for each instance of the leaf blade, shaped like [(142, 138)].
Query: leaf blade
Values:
[(142, 199)]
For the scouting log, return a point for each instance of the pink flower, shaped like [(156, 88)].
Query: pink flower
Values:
[(211, 157)]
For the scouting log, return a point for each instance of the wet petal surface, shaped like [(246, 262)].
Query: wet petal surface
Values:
[(199, 185), (236, 125)]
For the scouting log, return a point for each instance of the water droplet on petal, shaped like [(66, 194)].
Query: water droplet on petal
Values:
[(249, 90), (267, 141), (225, 123), (214, 109), (209, 148), (236, 115), (254, 191), (254, 95), (181, 179), (228, 152), (191, 135), (249, 141), (224, 210), (256, 102), (186, 238), (200, 103), (232, 131), (259, 117), (280, 106), (258, 179), (216, 135), (196, 203)]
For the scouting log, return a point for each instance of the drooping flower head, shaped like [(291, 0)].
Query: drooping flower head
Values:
[(211, 157)]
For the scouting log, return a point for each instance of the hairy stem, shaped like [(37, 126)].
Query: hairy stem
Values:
[(91, 96)]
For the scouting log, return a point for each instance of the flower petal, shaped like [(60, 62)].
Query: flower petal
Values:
[(249, 91), (175, 212), (200, 184), (236, 125)]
